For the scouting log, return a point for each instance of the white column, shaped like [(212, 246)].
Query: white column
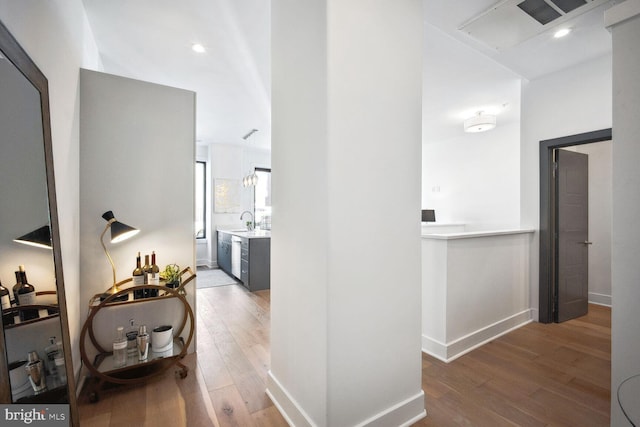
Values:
[(624, 22), (346, 159)]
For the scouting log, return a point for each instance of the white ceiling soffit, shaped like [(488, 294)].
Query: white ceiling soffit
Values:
[(511, 22)]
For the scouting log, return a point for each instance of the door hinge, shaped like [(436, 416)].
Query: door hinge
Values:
[(555, 168)]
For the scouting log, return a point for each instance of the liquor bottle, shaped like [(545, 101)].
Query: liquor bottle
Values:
[(25, 295), (138, 279), (4, 297), (153, 275), (119, 348), (50, 351)]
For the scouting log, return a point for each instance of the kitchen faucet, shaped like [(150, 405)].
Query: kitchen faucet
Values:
[(249, 224)]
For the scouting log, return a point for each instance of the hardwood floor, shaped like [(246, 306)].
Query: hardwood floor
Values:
[(539, 375)]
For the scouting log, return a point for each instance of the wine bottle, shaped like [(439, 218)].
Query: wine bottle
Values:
[(138, 279), (153, 275), (26, 295), (7, 318), (4, 297), (145, 271)]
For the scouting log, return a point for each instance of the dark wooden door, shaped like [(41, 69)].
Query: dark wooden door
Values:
[(572, 243)]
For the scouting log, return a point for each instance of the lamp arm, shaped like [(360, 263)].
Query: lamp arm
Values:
[(113, 267)]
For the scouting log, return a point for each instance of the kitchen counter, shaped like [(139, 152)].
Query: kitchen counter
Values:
[(253, 234), (472, 234)]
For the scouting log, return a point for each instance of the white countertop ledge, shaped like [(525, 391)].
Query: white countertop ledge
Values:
[(253, 234), (474, 234)]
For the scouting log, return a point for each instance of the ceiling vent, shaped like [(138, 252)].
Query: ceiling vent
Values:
[(510, 22)]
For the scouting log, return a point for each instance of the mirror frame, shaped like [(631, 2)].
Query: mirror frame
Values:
[(12, 50)]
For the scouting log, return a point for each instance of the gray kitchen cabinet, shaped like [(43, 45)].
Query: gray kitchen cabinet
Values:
[(224, 251), (256, 263)]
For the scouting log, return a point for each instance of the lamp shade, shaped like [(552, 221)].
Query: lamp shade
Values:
[(480, 123), (119, 231), (40, 237)]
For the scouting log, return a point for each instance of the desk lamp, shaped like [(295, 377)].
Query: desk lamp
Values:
[(119, 233)]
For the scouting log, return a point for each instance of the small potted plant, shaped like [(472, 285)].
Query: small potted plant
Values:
[(171, 275)]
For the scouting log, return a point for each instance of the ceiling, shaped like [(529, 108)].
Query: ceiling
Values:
[(151, 40)]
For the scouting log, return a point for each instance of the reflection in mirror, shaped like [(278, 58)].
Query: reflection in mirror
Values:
[(35, 332)]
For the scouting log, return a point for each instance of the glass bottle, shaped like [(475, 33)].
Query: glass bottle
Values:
[(138, 279), (60, 365), (4, 297), (25, 294), (50, 351), (145, 270), (153, 275), (120, 348)]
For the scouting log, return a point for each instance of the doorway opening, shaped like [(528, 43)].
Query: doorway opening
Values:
[(548, 255)]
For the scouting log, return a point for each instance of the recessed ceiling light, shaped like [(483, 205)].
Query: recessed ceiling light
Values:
[(561, 33), (197, 47)]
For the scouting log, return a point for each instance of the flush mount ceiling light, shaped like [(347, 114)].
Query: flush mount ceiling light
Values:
[(561, 33), (198, 48), (480, 122)]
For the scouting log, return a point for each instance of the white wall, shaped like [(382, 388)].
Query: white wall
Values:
[(49, 31), (565, 103), (600, 187), (469, 178), (137, 156), (345, 248), (625, 321), (474, 179)]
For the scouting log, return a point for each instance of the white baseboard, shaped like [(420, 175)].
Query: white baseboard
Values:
[(454, 349), (293, 414), (600, 299), (402, 414), (206, 263)]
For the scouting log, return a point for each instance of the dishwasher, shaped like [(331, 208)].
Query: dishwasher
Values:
[(236, 256)]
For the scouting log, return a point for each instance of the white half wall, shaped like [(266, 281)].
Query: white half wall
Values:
[(553, 106), (137, 157)]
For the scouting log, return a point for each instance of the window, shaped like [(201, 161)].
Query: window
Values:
[(201, 200), (262, 196)]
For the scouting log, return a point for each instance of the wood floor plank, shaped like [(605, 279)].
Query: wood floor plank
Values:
[(230, 408)]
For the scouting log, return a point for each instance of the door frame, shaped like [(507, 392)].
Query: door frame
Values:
[(545, 300)]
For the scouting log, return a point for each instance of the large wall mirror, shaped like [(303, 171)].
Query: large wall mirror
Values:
[(35, 352)]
